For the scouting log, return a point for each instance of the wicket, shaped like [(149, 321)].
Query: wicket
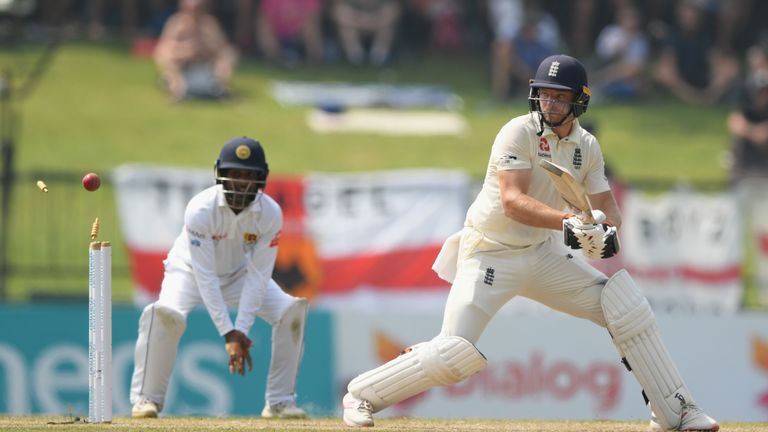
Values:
[(99, 331)]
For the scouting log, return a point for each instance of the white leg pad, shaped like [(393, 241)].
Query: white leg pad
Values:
[(287, 350), (442, 361), (160, 329), (633, 327)]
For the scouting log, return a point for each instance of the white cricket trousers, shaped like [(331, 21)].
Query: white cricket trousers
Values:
[(179, 293), (490, 274)]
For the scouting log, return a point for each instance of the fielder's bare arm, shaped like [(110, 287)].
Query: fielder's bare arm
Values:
[(517, 231)]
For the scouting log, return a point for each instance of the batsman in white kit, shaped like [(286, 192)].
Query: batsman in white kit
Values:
[(224, 259), (517, 241)]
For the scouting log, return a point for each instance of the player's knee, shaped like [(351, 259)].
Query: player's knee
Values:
[(626, 310), (297, 309), (171, 320), (451, 359), (294, 316)]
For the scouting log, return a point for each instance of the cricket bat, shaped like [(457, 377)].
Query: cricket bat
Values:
[(570, 190)]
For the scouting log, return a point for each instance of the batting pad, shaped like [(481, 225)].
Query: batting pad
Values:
[(442, 361), (633, 327), (160, 329)]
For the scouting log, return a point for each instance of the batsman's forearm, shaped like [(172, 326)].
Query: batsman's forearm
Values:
[(606, 202), (529, 211)]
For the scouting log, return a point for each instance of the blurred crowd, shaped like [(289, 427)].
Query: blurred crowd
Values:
[(703, 52), (694, 49)]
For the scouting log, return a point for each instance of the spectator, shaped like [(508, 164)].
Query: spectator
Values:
[(748, 124), (359, 19), (622, 50), (444, 18), (506, 19), (523, 37), (587, 17), (732, 20), (286, 28), (691, 66), (193, 54), (538, 38)]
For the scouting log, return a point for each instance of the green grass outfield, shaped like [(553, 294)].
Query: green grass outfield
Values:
[(96, 107), (334, 424)]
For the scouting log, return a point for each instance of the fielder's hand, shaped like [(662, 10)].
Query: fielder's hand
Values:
[(238, 346), (596, 241)]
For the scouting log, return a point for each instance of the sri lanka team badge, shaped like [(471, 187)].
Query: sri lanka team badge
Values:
[(250, 238), (243, 152)]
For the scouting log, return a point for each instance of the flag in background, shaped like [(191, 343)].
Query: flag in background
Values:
[(362, 238)]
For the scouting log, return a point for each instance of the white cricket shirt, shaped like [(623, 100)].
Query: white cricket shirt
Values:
[(518, 147), (218, 246)]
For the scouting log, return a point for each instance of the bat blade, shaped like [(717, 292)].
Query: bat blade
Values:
[(568, 188)]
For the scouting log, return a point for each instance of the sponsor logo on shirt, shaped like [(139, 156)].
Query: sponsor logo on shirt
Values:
[(250, 238), (194, 233), (544, 144), (544, 149), (275, 240), (195, 242)]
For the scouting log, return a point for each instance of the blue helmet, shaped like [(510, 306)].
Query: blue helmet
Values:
[(561, 72), (245, 154)]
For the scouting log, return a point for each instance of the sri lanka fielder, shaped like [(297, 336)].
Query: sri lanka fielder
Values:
[(512, 244), (224, 258)]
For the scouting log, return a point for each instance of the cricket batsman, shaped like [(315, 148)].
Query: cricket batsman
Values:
[(517, 241), (224, 258)]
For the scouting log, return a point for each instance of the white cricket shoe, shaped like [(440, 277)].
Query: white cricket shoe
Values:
[(144, 408), (357, 412), (283, 410), (692, 419)]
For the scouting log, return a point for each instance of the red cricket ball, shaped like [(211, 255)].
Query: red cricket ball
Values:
[(91, 181)]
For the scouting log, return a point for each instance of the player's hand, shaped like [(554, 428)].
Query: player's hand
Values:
[(575, 231), (596, 241), (238, 345), (611, 244)]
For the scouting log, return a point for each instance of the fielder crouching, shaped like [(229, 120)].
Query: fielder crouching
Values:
[(224, 258), (512, 245)]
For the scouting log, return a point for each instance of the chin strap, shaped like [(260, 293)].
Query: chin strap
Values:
[(560, 123), (541, 125)]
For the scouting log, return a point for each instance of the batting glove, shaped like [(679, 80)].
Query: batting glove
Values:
[(596, 241), (611, 245)]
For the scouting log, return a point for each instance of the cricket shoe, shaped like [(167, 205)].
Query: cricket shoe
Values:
[(283, 410), (692, 419), (144, 408), (357, 412)]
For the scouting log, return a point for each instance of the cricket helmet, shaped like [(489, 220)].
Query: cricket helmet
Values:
[(561, 72), (242, 154)]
